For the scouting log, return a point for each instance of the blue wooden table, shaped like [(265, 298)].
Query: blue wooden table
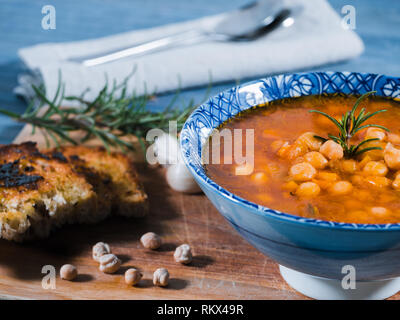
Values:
[(378, 23)]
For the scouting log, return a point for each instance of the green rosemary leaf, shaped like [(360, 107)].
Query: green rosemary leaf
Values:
[(321, 138), (41, 95), (63, 135), (30, 109), (371, 125), (369, 115), (365, 150), (357, 120), (9, 113), (334, 138), (356, 147), (361, 98), (53, 137), (329, 117), (60, 88)]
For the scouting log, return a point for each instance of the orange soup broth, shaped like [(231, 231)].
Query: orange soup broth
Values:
[(286, 120)]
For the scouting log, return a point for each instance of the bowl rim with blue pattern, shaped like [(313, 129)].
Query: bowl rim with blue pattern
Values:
[(229, 103)]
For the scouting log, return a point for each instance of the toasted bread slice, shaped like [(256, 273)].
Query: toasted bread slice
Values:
[(38, 192), (117, 172)]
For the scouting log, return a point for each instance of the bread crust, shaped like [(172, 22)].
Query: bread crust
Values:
[(117, 171)]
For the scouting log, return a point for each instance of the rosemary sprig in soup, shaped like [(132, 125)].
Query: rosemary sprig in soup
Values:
[(349, 125)]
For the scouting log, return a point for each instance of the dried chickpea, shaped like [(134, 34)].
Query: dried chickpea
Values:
[(375, 154), (377, 182), (290, 186), (316, 159), (332, 150), (109, 263), (68, 272), (132, 276), (161, 277), (393, 138), (341, 188), (294, 151), (327, 176), (302, 171), (379, 211), (298, 160), (277, 144), (151, 240), (259, 177), (323, 184), (348, 166), (396, 184), (364, 161), (273, 169), (283, 149), (375, 133), (375, 168), (308, 139), (183, 254), (357, 180), (308, 190), (392, 156), (100, 249)]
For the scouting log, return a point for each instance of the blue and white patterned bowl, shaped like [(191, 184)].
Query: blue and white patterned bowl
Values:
[(311, 246)]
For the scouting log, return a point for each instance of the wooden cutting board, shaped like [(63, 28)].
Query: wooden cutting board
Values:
[(224, 266)]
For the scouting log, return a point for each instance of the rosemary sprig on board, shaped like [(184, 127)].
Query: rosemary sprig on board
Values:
[(111, 116), (349, 125)]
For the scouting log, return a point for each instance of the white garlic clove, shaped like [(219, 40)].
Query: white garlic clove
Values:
[(167, 150), (180, 179)]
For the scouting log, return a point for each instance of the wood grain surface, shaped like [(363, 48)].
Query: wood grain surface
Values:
[(224, 266)]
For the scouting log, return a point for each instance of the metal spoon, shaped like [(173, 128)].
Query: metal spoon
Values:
[(245, 24)]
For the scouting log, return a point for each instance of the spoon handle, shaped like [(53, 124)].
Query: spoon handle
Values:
[(188, 37)]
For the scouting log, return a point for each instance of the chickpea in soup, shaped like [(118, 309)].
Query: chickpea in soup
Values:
[(305, 165)]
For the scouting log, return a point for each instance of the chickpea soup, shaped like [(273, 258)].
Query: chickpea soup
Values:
[(333, 158)]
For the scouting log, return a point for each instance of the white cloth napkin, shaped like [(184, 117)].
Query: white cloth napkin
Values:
[(316, 38)]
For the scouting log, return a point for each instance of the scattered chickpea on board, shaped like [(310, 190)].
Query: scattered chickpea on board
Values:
[(100, 249), (132, 276), (68, 272), (109, 263), (151, 240), (161, 277), (183, 254)]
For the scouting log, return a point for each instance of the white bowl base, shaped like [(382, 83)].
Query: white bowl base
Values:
[(331, 289)]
